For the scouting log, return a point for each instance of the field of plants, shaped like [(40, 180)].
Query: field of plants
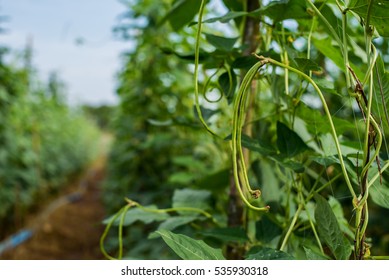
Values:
[(245, 130), (43, 141)]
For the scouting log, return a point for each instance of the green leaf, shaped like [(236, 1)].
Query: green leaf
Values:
[(289, 142), (191, 198), (188, 248), (228, 85), (226, 18), (379, 15), (215, 182), (332, 19), (267, 230), (287, 163), (138, 214), (311, 255), (160, 123), (327, 49), (257, 145), (227, 234), (207, 113), (337, 209), (233, 5), (306, 65), (263, 253), (329, 230), (380, 195), (317, 123), (221, 43), (381, 86), (189, 162), (203, 55), (285, 9), (175, 222), (244, 62), (182, 13), (181, 178)]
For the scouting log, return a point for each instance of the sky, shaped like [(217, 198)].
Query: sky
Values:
[(73, 38)]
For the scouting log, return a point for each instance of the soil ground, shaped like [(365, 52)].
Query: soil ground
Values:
[(69, 227)]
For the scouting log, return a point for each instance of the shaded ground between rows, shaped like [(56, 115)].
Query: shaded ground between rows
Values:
[(69, 227)]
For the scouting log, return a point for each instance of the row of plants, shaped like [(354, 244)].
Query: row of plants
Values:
[(42, 140), (290, 162)]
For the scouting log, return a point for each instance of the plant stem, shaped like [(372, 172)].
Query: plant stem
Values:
[(291, 226), (345, 50), (196, 70), (371, 131)]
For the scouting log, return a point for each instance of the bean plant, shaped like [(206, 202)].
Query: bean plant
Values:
[(292, 97)]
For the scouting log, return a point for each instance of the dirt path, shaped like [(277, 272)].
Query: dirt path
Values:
[(70, 226)]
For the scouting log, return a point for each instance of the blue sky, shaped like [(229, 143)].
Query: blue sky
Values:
[(88, 69)]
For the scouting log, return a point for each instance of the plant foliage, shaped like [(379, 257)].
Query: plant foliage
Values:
[(267, 119)]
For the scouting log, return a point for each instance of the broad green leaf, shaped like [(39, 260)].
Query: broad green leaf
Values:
[(203, 55), (182, 13), (189, 162), (306, 65), (221, 43), (329, 230), (326, 86), (317, 123), (380, 195), (228, 85), (215, 182), (268, 180), (256, 145), (207, 113), (267, 230), (259, 146), (226, 234), (244, 62), (138, 214), (287, 163), (227, 17), (191, 198), (175, 222), (381, 87), (188, 248), (332, 19), (311, 255), (289, 142), (181, 178), (233, 5), (285, 9), (334, 53), (262, 253), (339, 215), (160, 123), (325, 47), (379, 15)]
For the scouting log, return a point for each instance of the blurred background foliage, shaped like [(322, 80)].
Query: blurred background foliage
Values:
[(43, 142)]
